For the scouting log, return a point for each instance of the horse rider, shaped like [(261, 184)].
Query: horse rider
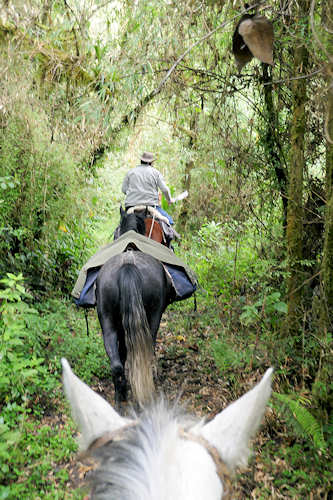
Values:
[(141, 185)]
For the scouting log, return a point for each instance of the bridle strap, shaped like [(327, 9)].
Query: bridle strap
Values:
[(222, 469), (107, 437)]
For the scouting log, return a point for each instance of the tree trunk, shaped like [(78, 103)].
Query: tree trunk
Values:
[(186, 182), (274, 149), (324, 375), (327, 262), (295, 191)]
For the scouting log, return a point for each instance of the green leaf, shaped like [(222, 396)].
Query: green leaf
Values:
[(281, 307), (98, 52), (305, 419), (4, 492)]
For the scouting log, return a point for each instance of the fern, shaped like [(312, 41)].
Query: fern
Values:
[(305, 419)]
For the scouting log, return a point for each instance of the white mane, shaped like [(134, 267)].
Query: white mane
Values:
[(145, 464)]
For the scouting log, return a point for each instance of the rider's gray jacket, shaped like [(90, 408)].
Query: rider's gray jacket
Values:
[(141, 186)]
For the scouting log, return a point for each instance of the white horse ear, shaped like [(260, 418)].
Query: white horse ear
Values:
[(91, 412), (231, 430)]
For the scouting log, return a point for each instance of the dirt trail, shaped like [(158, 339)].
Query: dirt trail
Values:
[(187, 374)]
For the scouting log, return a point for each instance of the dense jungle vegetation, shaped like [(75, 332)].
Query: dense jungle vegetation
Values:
[(86, 86)]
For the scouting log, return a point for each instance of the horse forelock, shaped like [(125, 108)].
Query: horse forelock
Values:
[(127, 466), (146, 463)]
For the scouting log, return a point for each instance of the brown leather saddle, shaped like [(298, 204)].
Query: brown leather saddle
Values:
[(153, 222), (154, 230)]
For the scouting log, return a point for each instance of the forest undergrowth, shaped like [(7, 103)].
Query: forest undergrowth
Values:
[(206, 358)]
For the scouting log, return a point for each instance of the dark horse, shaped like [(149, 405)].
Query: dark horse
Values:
[(132, 293)]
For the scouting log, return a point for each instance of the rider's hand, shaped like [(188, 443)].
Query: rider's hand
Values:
[(172, 200)]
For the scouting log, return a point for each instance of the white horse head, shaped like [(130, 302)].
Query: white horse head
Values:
[(163, 455)]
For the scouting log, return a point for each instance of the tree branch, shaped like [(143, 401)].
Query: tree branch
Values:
[(202, 39)]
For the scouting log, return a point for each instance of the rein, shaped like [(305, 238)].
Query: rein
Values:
[(221, 467), (152, 226), (109, 437)]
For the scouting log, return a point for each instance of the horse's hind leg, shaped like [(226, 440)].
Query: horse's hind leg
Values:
[(120, 386), (122, 382), (154, 324), (117, 365)]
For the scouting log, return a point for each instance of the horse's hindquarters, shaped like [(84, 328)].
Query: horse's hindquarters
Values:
[(132, 294)]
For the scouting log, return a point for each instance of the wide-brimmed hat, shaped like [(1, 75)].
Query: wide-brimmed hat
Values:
[(147, 157)]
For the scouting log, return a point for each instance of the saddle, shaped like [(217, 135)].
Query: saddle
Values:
[(154, 230), (157, 225)]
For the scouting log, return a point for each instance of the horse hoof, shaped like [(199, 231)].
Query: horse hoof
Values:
[(120, 385)]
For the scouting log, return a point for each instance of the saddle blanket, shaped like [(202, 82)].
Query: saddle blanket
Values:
[(182, 277)]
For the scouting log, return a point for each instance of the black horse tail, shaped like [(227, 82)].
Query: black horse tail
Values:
[(139, 342)]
